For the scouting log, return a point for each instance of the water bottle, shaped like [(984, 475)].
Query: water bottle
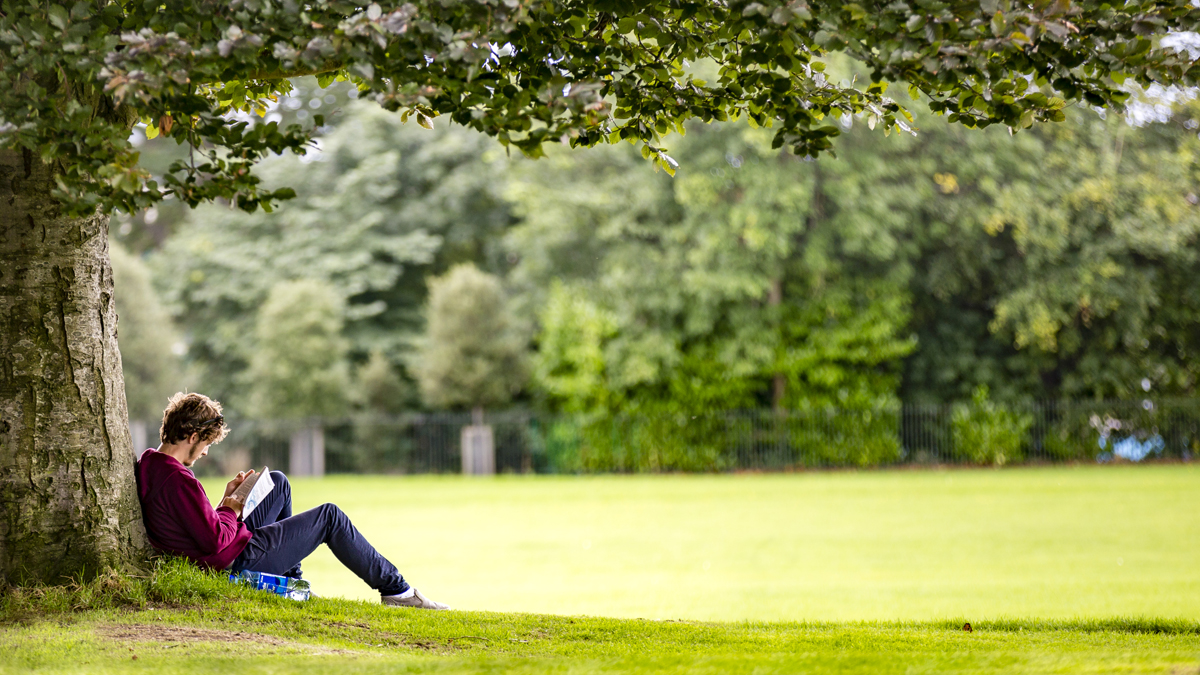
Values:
[(296, 589)]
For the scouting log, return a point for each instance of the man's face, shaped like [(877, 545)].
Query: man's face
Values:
[(197, 450)]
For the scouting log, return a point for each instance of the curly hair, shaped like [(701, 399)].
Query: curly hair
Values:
[(188, 414)]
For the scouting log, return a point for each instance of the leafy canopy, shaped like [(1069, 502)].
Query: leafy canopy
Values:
[(529, 72)]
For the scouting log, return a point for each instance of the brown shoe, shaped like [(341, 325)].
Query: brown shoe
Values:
[(415, 600)]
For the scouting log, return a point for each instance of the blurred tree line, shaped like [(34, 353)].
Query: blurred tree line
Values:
[(1059, 262)]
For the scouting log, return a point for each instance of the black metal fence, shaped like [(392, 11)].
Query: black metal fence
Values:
[(986, 433)]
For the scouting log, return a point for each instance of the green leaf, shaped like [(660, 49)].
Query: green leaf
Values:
[(855, 10), (57, 14)]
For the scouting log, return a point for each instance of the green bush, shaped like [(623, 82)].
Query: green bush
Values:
[(1072, 438), (647, 443), (561, 442), (721, 441), (985, 432), (862, 437)]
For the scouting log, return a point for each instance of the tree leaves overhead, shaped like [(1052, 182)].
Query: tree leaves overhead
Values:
[(539, 71)]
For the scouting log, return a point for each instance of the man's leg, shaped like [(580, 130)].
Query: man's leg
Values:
[(279, 547), (275, 507)]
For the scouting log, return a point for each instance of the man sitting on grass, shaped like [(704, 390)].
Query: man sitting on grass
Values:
[(180, 519)]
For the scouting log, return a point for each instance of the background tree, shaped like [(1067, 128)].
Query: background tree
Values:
[(738, 284), (960, 239), (380, 389), (379, 208), (299, 368), (1044, 264), (149, 340), (1097, 257), (569, 368), (75, 80), (471, 355)]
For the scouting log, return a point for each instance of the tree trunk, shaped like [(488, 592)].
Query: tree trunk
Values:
[(68, 503)]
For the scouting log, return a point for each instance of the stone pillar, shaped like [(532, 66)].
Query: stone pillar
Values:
[(306, 452), (478, 447)]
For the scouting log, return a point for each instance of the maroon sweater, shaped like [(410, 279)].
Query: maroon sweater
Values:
[(179, 517)]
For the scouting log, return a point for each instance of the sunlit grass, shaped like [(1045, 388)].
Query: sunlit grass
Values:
[(183, 621), (872, 572), (1065, 542)]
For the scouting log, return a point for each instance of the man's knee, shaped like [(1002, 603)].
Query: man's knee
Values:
[(332, 514), (333, 519), (281, 482)]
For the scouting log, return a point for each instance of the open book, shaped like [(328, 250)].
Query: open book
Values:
[(253, 490)]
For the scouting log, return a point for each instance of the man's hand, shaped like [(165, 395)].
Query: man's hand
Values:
[(233, 503), (237, 480)]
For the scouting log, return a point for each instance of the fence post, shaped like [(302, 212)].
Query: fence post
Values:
[(306, 452), (478, 447)]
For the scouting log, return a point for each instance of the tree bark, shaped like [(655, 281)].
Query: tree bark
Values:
[(68, 502)]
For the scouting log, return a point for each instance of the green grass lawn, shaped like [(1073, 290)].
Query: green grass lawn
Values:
[(1063, 542), (1059, 570), (182, 621)]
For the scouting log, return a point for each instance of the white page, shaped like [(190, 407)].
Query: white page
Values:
[(258, 493)]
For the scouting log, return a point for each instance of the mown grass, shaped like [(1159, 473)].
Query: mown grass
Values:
[(1046, 542), (182, 620), (1056, 570)]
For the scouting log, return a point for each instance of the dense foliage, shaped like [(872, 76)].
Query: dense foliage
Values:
[(1044, 265), (1048, 264), (383, 206), (76, 78)]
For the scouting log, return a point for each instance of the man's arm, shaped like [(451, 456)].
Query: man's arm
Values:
[(211, 529)]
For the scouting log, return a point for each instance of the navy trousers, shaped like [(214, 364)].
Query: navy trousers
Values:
[(282, 540)]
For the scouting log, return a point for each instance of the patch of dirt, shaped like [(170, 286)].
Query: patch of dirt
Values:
[(174, 635), (152, 633)]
